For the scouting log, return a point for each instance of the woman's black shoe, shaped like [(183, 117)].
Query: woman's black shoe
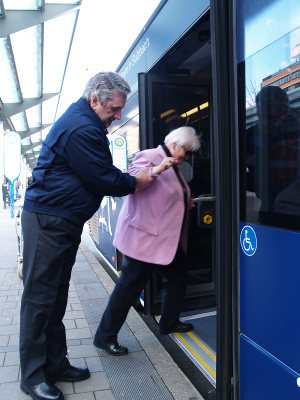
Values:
[(179, 327), (43, 391)]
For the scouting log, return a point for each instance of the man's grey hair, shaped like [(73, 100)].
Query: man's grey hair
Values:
[(103, 85), (184, 136)]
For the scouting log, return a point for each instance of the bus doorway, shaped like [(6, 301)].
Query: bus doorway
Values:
[(165, 103)]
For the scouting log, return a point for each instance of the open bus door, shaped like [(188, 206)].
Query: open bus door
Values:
[(165, 103)]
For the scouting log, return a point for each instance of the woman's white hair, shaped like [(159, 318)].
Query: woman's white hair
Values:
[(185, 136)]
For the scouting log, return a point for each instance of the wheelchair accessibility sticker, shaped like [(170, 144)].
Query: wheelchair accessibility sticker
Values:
[(248, 240)]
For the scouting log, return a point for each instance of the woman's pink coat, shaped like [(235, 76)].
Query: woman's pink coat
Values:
[(150, 223)]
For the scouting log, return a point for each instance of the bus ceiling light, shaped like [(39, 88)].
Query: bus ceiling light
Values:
[(171, 119), (166, 113), (194, 110)]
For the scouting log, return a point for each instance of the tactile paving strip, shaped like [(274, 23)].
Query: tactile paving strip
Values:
[(133, 377)]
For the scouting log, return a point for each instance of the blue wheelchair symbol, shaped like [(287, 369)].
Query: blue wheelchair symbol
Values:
[(248, 240)]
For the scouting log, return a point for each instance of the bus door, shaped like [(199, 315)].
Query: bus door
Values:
[(166, 103)]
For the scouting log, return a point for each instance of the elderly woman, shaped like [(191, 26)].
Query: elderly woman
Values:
[(152, 231)]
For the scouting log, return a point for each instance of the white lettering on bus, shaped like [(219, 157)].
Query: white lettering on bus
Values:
[(140, 51), (135, 57)]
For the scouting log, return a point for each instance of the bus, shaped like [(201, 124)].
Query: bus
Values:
[(231, 70)]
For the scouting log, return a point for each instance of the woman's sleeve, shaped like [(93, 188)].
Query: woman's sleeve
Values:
[(139, 162)]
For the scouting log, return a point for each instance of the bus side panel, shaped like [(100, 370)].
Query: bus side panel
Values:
[(269, 294), (108, 213), (263, 377)]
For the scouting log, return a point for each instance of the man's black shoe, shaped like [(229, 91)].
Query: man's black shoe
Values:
[(43, 391), (179, 327), (114, 349), (72, 374)]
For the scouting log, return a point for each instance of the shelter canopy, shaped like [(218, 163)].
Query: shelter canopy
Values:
[(35, 43)]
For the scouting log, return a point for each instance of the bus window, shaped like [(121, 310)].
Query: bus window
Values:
[(272, 90)]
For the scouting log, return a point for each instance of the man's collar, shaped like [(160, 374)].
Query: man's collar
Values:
[(88, 109)]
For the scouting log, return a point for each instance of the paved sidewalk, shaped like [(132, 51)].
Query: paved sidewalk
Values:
[(147, 372)]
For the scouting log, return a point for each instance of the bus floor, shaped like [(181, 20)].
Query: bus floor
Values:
[(200, 344)]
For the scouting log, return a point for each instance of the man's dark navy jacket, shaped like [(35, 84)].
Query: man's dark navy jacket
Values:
[(74, 169)]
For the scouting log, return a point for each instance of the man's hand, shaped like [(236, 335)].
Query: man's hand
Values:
[(143, 179)]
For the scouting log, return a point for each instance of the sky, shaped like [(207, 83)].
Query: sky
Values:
[(105, 31), (270, 52)]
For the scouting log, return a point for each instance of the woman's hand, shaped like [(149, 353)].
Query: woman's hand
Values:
[(166, 163), (191, 203)]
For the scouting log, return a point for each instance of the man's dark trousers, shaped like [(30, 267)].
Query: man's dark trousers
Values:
[(50, 248)]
